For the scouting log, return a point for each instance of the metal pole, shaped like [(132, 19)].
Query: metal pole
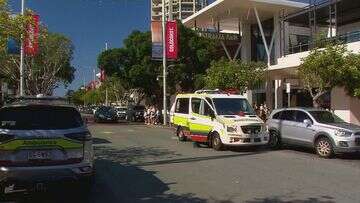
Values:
[(289, 99), (106, 90), (22, 55), (84, 89), (164, 62)]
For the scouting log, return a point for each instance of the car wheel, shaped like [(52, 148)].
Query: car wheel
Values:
[(181, 135), (216, 142), (274, 140), (324, 148)]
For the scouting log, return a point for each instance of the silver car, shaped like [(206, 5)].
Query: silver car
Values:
[(316, 128), (41, 146)]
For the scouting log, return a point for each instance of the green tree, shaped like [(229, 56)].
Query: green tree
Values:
[(324, 69), (49, 68), (133, 64), (225, 74), (351, 78), (114, 87)]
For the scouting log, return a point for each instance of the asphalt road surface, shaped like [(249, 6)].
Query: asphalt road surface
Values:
[(136, 163)]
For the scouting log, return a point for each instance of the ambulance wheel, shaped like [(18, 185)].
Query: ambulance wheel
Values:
[(216, 142), (181, 134)]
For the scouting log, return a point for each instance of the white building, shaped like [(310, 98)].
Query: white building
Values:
[(176, 9), (280, 33)]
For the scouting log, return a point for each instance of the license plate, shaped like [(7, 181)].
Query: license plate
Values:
[(39, 155)]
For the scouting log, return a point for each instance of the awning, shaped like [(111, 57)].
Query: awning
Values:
[(228, 12)]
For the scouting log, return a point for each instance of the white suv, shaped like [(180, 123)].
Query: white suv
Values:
[(315, 128)]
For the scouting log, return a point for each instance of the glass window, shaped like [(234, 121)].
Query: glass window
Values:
[(210, 101), (276, 116), (207, 109), (233, 106), (40, 118), (326, 117), (288, 116), (195, 105), (301, 116), (182, 106)]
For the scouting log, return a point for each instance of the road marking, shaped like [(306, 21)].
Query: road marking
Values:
[(108, 132), (174, 138), (131, 130)]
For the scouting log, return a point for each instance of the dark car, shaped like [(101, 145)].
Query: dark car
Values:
[(136, 113), (105, 114)]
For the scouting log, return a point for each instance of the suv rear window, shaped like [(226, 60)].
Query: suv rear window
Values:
[(39, 118)]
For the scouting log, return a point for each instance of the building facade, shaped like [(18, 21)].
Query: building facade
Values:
[(281, 33), (176, 9)]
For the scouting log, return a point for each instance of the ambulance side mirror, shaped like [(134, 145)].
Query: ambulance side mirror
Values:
[(212, 115)]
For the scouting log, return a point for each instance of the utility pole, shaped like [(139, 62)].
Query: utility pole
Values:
[(106, 90), (164, 62), (22, 55), (84, 88)]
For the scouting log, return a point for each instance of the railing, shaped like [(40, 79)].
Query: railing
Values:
[(344, 39)]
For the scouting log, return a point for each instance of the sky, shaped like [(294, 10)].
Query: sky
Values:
[(90, 24)]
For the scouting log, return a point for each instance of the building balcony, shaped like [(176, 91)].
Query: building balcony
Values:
[(298, 52)]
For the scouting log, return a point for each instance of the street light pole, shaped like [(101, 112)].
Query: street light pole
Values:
[(164, 62), (106, 90), (21, 91)]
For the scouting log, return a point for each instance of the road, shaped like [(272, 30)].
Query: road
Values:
[(136, 163)]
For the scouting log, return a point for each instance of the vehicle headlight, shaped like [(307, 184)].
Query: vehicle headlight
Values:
[(343, 133), (231, 129)]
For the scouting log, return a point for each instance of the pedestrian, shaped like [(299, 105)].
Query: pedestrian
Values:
[(152, 115), (157, 115), (146, 115)]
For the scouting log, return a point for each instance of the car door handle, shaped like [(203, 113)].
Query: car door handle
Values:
[(192, 118)]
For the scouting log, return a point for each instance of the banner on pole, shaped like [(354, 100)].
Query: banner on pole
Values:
[(31, 42), (156, 39), (171, 40)]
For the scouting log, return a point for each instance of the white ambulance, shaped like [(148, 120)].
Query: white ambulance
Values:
[(217, 119)]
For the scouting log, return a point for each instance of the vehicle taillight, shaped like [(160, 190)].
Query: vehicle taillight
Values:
[(82, 136), (6, 137)]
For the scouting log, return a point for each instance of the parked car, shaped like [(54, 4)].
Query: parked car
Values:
[(121, 112), (218, 120), (136, 113), (105, 114), (315, 128), (41, 144)]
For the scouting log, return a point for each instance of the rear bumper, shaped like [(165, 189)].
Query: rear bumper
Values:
[(28, 179)]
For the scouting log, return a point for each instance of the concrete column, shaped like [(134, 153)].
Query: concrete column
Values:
[(269, 93), (277, 48), (246, 42)]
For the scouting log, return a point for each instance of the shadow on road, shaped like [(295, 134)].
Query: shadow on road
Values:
[(194, 159), (310, 151), (96, 140), (322, 199), (132, 154)]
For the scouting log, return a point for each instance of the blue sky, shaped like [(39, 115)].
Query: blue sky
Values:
[(89, 24)]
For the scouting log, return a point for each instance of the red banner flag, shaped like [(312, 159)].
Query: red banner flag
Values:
[(31, 42), (171, 40)]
